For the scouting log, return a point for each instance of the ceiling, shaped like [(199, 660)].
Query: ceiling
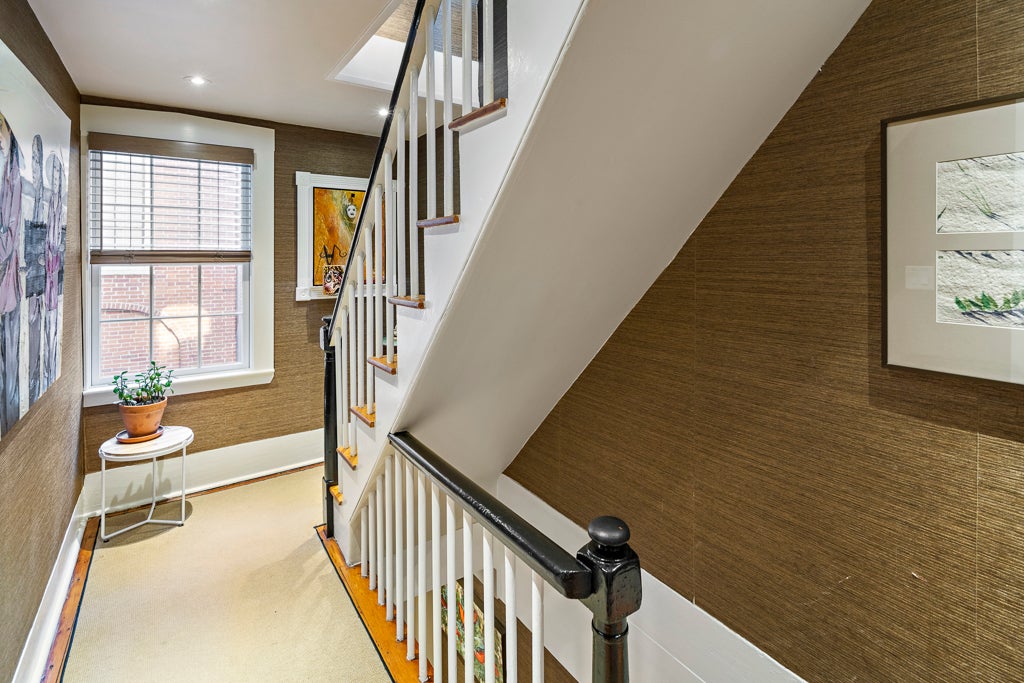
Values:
[(264, 59)]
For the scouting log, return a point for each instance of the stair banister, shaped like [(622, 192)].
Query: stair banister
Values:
[(604, 575)]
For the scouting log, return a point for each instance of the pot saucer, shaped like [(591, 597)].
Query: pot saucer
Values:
[(122, 436)]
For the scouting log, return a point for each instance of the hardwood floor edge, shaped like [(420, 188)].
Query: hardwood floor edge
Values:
[(57, 660)]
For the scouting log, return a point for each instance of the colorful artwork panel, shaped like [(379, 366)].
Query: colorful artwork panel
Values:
[(334, 222), (479, 659), (35, 137), (980, 288)]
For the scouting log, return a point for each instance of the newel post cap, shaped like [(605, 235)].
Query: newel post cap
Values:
[(608, 531)]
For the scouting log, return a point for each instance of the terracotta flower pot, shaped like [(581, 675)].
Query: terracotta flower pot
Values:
[(142, 420)]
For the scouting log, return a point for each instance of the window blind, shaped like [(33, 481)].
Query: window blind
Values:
[(173, 207)]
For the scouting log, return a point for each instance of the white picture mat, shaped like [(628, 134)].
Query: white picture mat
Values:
[(914, 338), (305, 182)]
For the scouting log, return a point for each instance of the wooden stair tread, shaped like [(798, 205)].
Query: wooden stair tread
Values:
[(408, 301), (382, 632), (480, 116), (351, 458), (381, 363), (437, 222), (367, 417), (338, 497)]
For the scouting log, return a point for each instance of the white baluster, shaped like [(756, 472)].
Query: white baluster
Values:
[(467, 57), (381, 246), (511, 626), (450, 564), (410, 557), (364, 550), (421, 570), (449, 149), (360, 365), (487, 55), (488, 570), (380, 540), (399, 231), (414, 181), (353, 337), (371, 505), (389, 540), (537, 625), (341, 368), (467, 590), (431, 132), (399, 552), (435, 573), (372, 320)]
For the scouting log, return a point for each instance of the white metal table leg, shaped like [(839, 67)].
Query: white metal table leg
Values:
[(183, 486), (103, 500)]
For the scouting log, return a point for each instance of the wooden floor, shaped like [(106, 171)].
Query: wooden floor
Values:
[(381, 631)]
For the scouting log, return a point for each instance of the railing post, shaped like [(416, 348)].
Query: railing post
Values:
[(616, 571), (330, 426)]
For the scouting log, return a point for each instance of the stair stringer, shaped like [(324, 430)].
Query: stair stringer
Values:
[(538, 33)]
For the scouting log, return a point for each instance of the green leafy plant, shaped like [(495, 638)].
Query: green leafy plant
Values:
[(149, 386)]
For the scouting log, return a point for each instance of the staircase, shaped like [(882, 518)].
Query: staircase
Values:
[(539, 231)]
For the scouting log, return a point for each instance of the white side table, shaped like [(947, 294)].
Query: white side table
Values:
[(173, 439)]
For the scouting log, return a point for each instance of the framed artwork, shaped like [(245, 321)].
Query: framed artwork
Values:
[(35, 140), (954, 240), (328, 208), (478, 631)]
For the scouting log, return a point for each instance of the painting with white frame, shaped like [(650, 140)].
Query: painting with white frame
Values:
[(306, 184), (954, 228)]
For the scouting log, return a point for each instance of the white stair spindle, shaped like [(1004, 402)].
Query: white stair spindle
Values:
[(371, 506), (435, 575), (410, 559), (379, 247), (449, 149), (389, 540), (431, 132), (537, 626), (361, 331), (421, 569), (511, 644), (380, 540), (341, 371), (364, 550), (450, 564), (487, 51), (414, 181), (399, 552), (398, 232), (467, 56), (467, 591), (488, 569), (369, 301), (353, 388)]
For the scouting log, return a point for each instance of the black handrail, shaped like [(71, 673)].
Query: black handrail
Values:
[(410, 43), (571, 577)]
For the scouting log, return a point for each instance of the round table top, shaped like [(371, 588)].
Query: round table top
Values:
[(173, 439)]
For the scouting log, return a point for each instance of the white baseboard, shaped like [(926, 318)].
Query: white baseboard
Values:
[(130, 486), (32, 663), (670, 638)]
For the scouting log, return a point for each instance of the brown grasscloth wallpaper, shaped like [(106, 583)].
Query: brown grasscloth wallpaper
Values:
[(293, 401), (854, 521), (40, 468)]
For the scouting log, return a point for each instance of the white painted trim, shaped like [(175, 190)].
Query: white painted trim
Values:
[(671, 639), (188, 128), (129, 487), (385, 13), (98, 396), (32, 663), (305, 182)]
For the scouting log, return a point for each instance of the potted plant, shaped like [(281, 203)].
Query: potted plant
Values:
[(142, 400)]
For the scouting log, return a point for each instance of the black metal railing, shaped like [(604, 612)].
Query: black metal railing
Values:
[(604, 575)]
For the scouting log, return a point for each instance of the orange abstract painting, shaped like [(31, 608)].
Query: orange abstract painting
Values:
[(334, 222)]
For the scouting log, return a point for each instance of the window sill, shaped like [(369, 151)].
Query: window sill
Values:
[(98, 396)]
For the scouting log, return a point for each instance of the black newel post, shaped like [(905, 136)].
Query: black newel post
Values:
[(616, 570), (330, 427)]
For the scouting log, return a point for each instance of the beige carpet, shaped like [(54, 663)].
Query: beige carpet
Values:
[(243, 592)]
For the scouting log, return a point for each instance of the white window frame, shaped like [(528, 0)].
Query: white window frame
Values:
[(260, 295)]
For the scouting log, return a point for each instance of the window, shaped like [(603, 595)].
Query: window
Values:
[(170, 245)]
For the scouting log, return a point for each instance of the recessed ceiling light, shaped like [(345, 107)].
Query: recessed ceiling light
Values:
[(196, 80), (383, 111)]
